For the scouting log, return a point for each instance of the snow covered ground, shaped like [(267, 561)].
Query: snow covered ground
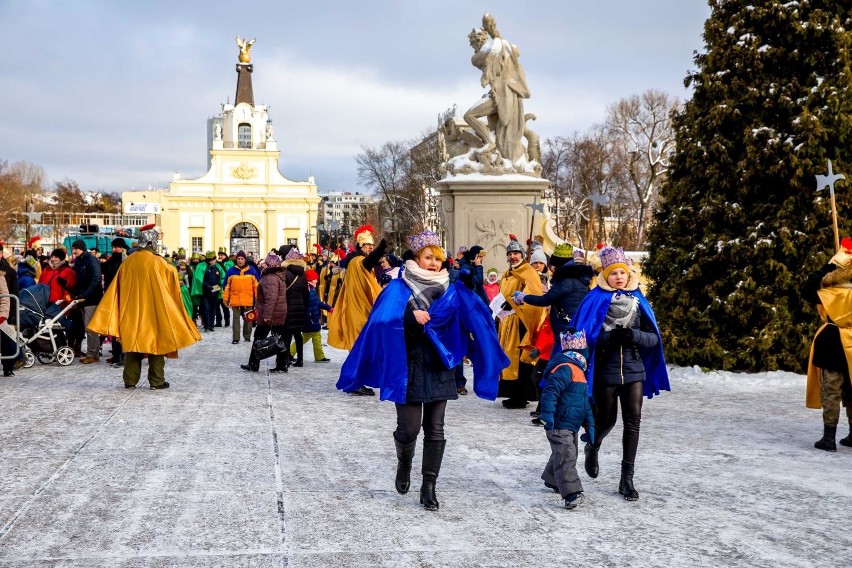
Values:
[(235, 469)]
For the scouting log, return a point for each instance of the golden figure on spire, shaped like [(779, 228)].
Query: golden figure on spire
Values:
[(245, 47)]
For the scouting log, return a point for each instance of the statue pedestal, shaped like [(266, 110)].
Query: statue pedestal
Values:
[(482, 210)]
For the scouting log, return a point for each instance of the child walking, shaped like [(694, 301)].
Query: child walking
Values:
[(564, 408), (313, 321)]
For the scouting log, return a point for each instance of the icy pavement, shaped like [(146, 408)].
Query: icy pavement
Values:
[(234, 469)]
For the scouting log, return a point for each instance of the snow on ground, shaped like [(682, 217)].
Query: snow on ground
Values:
[(236, 469)]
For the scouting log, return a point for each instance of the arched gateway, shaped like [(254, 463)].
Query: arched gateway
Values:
[(245, 237)]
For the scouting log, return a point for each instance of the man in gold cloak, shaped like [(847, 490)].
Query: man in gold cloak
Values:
[(143, 309), (358, 293), (515, 330)]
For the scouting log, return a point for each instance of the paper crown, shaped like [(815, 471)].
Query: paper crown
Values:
[(563, 250), (209, 255), (293, 254), (422, 240), (364, 235), (573, 341), (222, 250), (181, 251), (148, 235), (612, 258)]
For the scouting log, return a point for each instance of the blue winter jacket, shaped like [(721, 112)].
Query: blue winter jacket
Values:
[(313, 321), (565, 402), (26, 275), (569, 286), (620, 364)]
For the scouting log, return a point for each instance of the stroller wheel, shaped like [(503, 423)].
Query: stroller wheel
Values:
[(65, 355), (29, 358), (45, 357)]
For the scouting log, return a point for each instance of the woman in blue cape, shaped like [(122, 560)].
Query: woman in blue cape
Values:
[(419, 329), (625, 359)]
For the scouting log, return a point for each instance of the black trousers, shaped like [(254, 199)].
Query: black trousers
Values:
[(409, 418), (296, 336), (607, 398)]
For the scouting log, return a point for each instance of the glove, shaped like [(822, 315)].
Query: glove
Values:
[(589, 436), (506, 306), (518, 298), (621, 336), (535, 353), (62, 282)]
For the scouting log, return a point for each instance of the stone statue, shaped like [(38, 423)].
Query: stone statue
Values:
[(270, 132), (455, 140), (245, 47), (217, 131), (502, 106)]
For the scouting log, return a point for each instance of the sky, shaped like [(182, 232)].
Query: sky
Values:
[(116, 95)]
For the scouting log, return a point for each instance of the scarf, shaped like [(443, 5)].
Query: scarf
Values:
[(426, 286), (622, 310)]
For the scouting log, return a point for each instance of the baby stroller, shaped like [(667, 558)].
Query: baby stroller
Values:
[(44, 327)]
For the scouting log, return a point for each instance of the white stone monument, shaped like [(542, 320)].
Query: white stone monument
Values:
[(491, 159)]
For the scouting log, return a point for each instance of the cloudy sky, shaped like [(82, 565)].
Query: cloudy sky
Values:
[(115, 95)]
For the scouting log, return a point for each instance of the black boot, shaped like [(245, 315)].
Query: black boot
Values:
[(404, 455), (625, 486), (591, 462), (433, 455), (847, 441), (827, 441)]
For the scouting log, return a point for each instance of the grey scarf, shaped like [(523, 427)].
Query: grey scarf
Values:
[(622, 311), (426, 286)]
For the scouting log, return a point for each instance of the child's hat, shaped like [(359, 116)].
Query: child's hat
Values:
[(612, 258), (573, 341)]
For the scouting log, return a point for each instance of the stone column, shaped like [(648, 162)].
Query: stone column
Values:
[(483, 210)]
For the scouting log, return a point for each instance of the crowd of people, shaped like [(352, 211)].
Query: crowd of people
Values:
[(569, 331)]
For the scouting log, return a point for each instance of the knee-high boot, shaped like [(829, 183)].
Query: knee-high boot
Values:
[(404, 456), (625, 486), (433, 455)]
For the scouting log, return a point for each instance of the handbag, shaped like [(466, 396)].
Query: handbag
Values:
[(251, 315), (269, 346)]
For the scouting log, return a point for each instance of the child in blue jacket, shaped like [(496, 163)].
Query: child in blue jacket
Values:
[(565, 408)]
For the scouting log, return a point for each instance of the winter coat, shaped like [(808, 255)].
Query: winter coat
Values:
[(271, 301), (26, 276), (61, 280), (314, 317), (565, 398), (211, 281), (89, 286), (620, 364), (11, 278), (110, 268), (491, 290), (477, 278), (569, 286), (240, 287), (297, 296), (428, 379)]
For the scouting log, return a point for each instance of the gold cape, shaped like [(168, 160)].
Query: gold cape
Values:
[(330, 287), (143, 308), (523, 278), (837, 305), (357, 296)]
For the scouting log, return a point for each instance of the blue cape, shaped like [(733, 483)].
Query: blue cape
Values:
[(460, 326), (590, 317)]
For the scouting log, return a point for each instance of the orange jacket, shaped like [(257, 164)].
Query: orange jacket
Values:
[(241, 289)]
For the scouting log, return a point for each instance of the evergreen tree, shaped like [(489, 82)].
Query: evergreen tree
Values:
[(740, 223)]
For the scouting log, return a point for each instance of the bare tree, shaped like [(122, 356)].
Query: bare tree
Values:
[(385, 171), (643, 138), (21, 188)]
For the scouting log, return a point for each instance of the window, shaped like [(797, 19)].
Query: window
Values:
[(244, 136), (196, 244)]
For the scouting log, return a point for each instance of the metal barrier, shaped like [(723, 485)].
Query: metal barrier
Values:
[(8, 327)]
